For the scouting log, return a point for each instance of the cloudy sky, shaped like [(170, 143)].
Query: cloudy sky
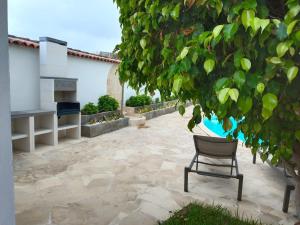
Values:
[(90, 25)]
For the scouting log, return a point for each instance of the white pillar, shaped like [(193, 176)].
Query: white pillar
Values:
[(7, 211)]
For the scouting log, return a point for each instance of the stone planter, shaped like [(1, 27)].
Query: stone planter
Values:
[(99, 116), (159, 112), (133, 111), (93, 130)]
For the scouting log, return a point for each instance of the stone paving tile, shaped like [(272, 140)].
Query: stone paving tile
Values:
[(135, 176)]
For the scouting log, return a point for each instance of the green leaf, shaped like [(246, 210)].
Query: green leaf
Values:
[(291, 27), (266, 113), (245, 104), (293, 12), (281, 31), (223, 95), (234, 94), (246, 64), (217, 30), (282, 48), (165, 11), (143, 43), (191, 124), (255, 24), (181, 109), (177, 84), (276, 22), (292, 73), (230, 30), (260, 88), (209, 65), (175, 12), (219, 6), (269, 101), (297, 135), (197, 114), (239, 78), (140, 64), (247, 18), (222, 83), (248, 4), (183, 53), (195, 57), (274, 60), (237, 58), (263, 24)]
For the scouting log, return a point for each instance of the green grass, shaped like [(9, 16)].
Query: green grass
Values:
[(200, 214)]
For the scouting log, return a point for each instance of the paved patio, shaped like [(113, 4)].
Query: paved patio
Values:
[(135, 176)]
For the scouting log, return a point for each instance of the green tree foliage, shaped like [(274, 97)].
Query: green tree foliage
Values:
[(233, 58), (107, 103), (139, 100)]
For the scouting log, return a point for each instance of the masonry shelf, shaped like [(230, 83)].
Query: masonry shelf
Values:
[(41, 131), (67, 126), (17, 136)]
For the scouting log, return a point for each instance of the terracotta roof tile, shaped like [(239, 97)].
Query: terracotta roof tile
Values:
[(74, 52)]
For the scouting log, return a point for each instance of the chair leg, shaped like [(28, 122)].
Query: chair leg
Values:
[(186, 178), (232, 166), (286, 200), (240, 190)]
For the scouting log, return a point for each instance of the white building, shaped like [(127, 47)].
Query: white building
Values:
[(48, 84), (29, 60)]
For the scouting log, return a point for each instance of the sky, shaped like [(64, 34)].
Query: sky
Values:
[(90, 25)]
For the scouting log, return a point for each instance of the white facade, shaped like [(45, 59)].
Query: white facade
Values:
[(28, 64), (24, 78), (92, 78)]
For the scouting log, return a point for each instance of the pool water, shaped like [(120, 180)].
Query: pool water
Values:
[(215, 126)]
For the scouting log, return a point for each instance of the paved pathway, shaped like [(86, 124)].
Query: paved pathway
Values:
[(134, 176)]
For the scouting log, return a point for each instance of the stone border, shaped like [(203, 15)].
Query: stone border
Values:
[(131, 111), (93, 130), (156, 113), (99, 116)]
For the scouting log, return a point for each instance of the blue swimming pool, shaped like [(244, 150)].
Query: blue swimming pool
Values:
[(215, 126)]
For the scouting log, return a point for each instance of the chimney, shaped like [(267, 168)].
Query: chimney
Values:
[(53, 58)]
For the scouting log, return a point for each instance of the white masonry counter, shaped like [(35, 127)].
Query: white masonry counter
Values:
[(31, 128)]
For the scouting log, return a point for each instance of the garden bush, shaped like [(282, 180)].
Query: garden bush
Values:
[(89, 109), (107, 103), (139, 100)]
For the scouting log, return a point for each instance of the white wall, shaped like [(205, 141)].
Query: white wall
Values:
[(92, 78), (7, 211), (25, 78)]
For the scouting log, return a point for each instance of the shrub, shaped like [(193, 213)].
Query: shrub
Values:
[(89, 109), (139, 100), (107, 103), (157, 100), (195, 214)]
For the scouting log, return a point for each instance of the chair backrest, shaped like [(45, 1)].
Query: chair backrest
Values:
[(215, 147)]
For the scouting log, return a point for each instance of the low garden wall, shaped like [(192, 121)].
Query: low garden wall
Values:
[(153, 110), (99, 116), (93, 130), (159, 112), (101, 123)]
